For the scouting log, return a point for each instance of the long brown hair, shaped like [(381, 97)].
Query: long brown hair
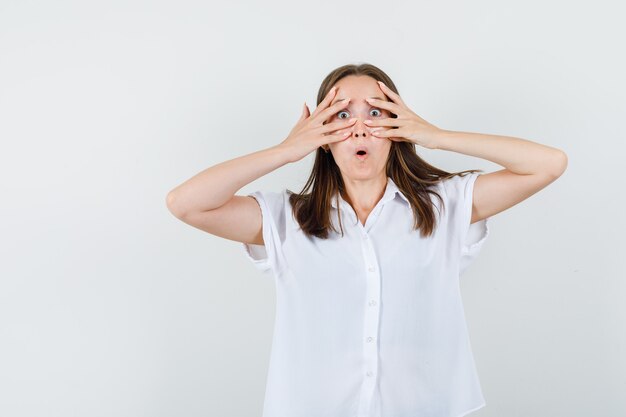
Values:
[(412, 174)]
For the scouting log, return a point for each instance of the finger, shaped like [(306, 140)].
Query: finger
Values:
[(337, 137), (324, 103), (307, 113), (304, 113), (324, 115), (390, 93), (343, 124), (387, 121), (387, 105), (387, 133)]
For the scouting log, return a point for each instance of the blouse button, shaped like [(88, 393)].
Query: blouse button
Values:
[(370, 373), (371, 269), (369, 339), (372, 302)]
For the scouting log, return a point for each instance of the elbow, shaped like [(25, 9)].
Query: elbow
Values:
[(562, 162), (173, 205), (559, 164)]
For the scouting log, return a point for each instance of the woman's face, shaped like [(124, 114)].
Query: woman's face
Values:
[(373, 164)]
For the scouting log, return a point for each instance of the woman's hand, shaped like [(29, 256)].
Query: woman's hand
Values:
[(407, 127), (310, 132)]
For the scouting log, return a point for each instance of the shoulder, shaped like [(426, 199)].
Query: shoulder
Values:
[(458, 185), (274, 204), (271, 198)]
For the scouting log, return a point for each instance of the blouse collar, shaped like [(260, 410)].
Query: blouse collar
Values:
[(390, 193)]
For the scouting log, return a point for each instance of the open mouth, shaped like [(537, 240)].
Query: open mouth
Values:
[(361, 154)]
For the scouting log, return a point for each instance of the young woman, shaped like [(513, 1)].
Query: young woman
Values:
[(369, 318)]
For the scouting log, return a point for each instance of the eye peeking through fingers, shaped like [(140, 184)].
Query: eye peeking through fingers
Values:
[(377, 111)]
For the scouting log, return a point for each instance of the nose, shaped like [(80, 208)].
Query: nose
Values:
[(359, 129)]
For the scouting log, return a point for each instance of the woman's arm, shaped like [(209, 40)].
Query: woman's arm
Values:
[(216, 185), (529, 167), (519, 156), (207, 200)]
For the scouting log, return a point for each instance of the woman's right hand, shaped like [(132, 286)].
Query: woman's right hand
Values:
[(310, 132)]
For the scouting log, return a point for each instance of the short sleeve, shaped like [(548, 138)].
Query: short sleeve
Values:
[(471, 237), (269, 257)]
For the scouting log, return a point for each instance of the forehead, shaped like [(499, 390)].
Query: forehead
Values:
[(358, 88), (358, 85)]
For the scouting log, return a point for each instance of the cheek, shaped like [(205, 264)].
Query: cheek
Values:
[(380, 148)]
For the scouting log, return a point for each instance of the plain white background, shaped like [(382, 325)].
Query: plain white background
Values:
[(110, 306)]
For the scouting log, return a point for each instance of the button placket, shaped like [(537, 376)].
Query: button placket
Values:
[(371, 324)]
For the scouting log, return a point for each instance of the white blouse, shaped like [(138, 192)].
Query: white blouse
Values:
[(371, 324)]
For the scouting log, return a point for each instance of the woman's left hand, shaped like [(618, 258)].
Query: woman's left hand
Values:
[(409, 127)]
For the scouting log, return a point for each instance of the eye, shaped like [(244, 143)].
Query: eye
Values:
[(343, 111)]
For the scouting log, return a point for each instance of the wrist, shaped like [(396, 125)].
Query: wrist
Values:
[(441, 138), (284, 152)]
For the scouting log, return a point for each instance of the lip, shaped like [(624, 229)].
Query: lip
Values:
[(361, 148)]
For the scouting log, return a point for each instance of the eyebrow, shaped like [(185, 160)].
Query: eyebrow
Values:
[(336, 100)]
